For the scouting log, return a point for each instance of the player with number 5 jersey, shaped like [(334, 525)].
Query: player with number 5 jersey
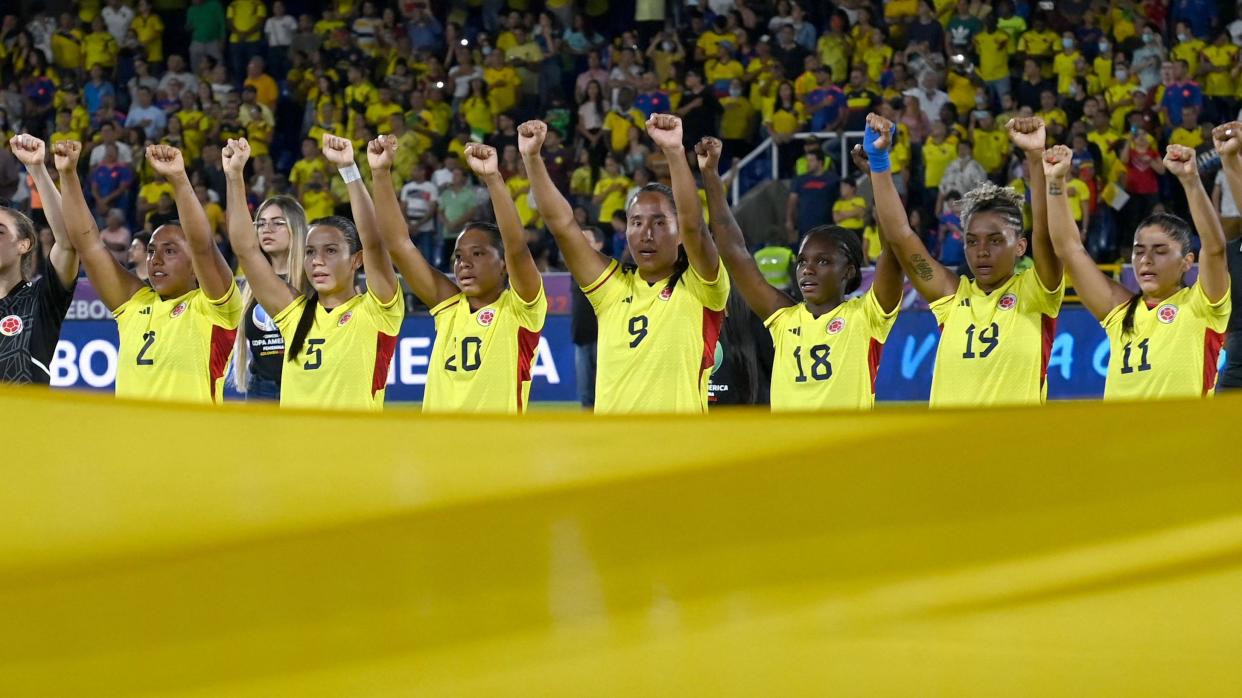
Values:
[(486, 334), (996, 330), (827, 349), (176, 334), (338, 342), (1165, 340), (660, 318)]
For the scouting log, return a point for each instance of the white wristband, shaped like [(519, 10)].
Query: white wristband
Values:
[(350, 174)]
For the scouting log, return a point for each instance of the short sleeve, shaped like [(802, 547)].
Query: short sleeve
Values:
[(941, 307), (287, 319), (1032, 292), (1215, 315), (225, 311), (607, 287), (777, 321), (531, 315), (387, 314), (878, 319), (712, 294), (56, 295)]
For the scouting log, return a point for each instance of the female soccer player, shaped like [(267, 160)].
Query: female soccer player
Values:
[(338, 342), (996, 330), (1164, 340), (827, 348), (659, 319), (34, 293), (280, 225), (486, 334), (176, 334)]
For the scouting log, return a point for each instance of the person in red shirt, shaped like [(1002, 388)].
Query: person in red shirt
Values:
[(1143, 170)]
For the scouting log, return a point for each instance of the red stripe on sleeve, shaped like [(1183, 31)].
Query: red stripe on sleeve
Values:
[(874, 352), (221, 348), (712, 321), (595, 286), (385, 346), (1049, 336), (528, 342), (1212, 342)]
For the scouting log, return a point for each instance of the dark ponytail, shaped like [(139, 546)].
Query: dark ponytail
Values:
[(307, 319), (739, 344), (1178, 230), (1127, 323)]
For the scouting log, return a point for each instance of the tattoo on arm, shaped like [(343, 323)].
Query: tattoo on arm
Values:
[(1054, 189), (921, 267)]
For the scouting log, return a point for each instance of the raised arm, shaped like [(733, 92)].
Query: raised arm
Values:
[(931, 278), (887, 283), (1029, 135), (428, 283), (524, 276), (114, 284), (213, 273), (665, 131), (273, 293), (33, 154), (584, 263), (1099, 293), (381, 279), (1180, 161), (762, 298), (1228, 141)]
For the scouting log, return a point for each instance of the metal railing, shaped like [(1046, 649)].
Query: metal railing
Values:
[(845, 139)]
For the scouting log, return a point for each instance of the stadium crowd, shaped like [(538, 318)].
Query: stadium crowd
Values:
[(1117, 80)]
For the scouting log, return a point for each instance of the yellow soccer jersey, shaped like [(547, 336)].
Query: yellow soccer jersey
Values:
[(994, 348), (828, 362), (656, 346), (175, 349), (481, 359), (344, 360), (1172, 350)]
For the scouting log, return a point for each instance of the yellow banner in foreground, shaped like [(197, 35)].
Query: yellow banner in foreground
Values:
[(1080, 549)]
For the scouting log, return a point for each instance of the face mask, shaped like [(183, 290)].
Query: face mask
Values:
[(487, 50), (981, 101), (1103, 47), (1123, 75), (666, 46), (1183, 38), (1067, 43), (1148, 37), (735, 92)]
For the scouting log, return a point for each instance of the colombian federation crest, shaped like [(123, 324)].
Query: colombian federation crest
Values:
[(11, 325), (344, 319), (836, 325), (487, 316), (666, 293), (1007, 302), (1167, 313), (178, 309)]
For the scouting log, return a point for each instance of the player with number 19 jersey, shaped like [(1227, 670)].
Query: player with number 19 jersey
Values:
[(656, 345), (345, 357), (994, 347), (1172, 350), (828, 362), (481, 358), (175, 349)]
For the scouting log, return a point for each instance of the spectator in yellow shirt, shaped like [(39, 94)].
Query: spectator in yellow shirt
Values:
[(99, 47), (1189, 134), (723, 68), (150, 30), (850, 209), (994, 47), (1079, 196), (1064, 66), (990, 142), (265, 88), (1039, 43), (619, 120), (317, 199), (67, 45), (245, 20), (1187, 48), (1055, 119), (378, 112), (877, 55), (737, 123), (938, 152), (1217, 67), (477, 109), (502, 83), (312, 161), (609, 192), (64, 128), (707, 43)]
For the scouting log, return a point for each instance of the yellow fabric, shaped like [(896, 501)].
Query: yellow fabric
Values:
[(481, 359), (170, 349), (993, 48), (1220, 84), (519, 188), (652, 341), (247, 16), (737, 119), (876, 58), (834, 52), (1078, 194), (961, 92), (150, 31), (717, 550), (1164, 356), (502, 88), (1189, 51), (615, 200), (300, 174), (990, 148), (1191, 138), (936, 157), (377, 114), (828, 362), (1064, 67), (855, 203), (336, 366), (991, 345), (618, 126), (70, 135), (478, 113), (67, 49), (710, 40), (717, 71), (99, 48)]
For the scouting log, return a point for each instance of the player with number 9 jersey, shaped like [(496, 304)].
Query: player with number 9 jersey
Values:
[(657, 342)]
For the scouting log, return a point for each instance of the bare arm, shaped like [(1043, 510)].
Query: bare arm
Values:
[(114, 284), (381, 279), (213, 273), (1099, 293), (1213, 267), (1029, 135), (430, 285), (762, 298), (1229, 138), (272, 292), (931, 278), (524, 276), (666, 131), (584, 262), (887, 284), (32, 153)]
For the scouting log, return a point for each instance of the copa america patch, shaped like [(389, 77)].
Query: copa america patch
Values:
[(487, 316), (11, 325), (178, 309), (262, 320), (1167, 313), (666, 293), (836, 325), (344, 319), (1007, 302)]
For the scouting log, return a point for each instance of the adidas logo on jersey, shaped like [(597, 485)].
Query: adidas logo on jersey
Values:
[(145, 311), (965, 303), (795, 331), (628, 299)]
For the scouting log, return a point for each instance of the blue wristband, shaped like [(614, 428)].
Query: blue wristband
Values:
[(877, 159)]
